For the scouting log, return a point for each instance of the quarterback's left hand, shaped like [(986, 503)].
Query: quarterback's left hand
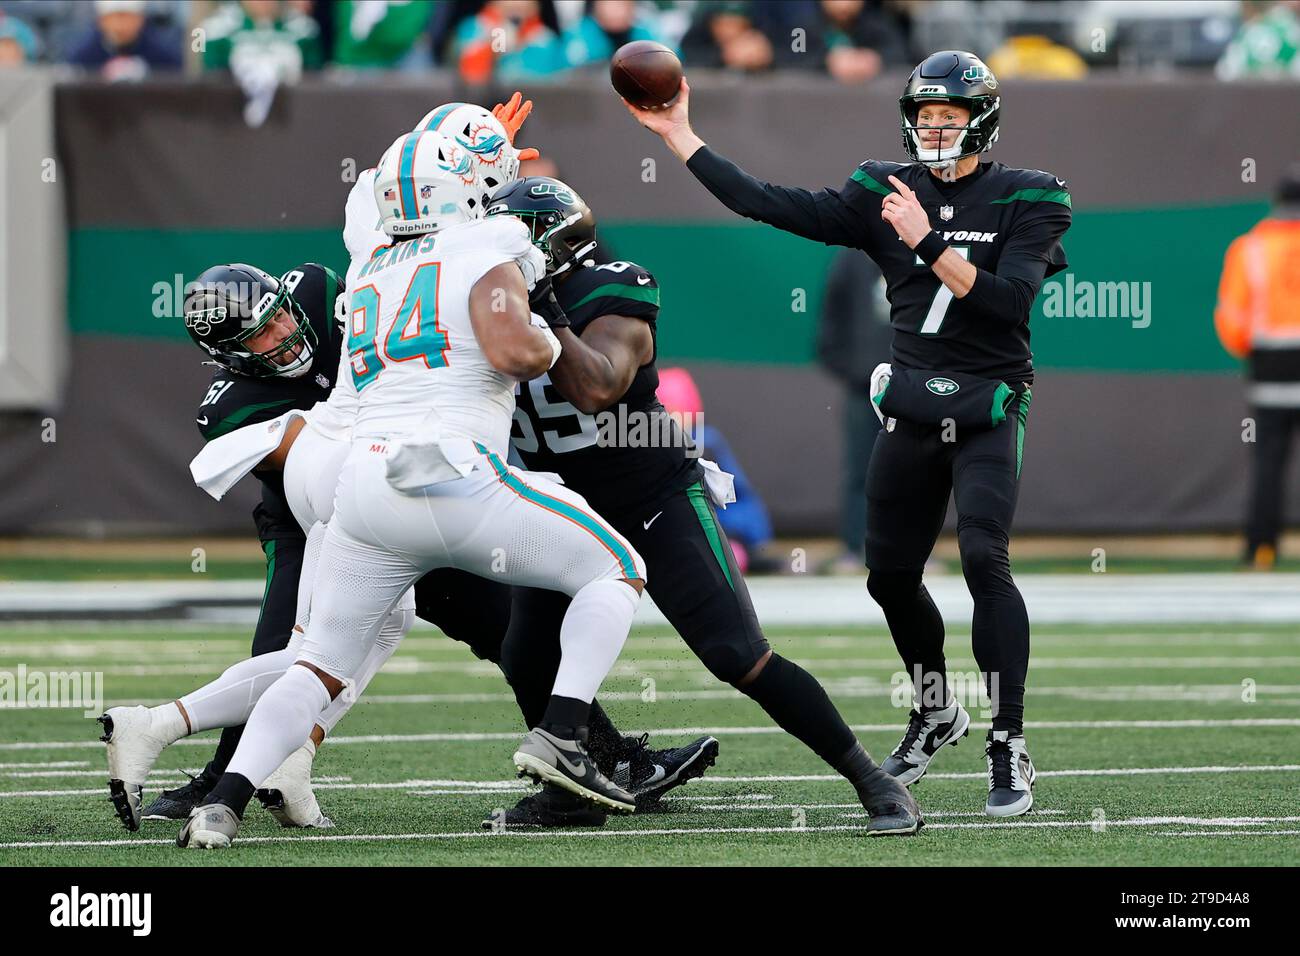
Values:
[(903, 211), (512, 115)]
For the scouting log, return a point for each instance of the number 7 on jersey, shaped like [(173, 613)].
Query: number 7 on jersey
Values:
[(942, 298)]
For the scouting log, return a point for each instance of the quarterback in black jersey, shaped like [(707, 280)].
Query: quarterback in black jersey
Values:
[(275, 346), (595, 421), (964, 247)]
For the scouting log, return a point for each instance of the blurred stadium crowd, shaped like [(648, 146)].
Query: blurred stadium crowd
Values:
[(533, 40)]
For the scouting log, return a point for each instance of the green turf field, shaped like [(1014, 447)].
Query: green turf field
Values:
[(1146, 751)]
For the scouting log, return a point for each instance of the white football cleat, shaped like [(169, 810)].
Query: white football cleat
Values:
[(134, 744), (1011, 775), (212, 826), (287, 793), (927, 731)]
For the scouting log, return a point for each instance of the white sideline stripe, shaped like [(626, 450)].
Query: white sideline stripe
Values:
[(1215, 833), (718, 731), (870, 688), (665, 831), (28, 774), (507, 785), (982, 775), (230, 650), (431, 793), (636, 669), (47, 764), (750, 807)]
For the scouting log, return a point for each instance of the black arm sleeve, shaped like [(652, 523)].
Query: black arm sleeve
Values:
[(1034, 248), (823, 215)]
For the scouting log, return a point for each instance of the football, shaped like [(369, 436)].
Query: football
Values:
[(646, 74)]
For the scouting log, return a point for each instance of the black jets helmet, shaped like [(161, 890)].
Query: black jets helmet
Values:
[(953, 76), (561, 223), (229, 304)]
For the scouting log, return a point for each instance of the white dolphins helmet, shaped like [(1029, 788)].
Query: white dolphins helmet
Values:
[(426, 182), (482, 134)]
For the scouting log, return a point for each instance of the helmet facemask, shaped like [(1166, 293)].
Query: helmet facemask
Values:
[(972, 139), (299, 345), (552, 234)]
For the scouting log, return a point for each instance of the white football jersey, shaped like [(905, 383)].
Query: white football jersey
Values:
[(361, 233), (335, 416), (415, 361)]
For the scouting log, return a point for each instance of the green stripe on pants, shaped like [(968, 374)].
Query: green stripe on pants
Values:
[(1025, 399), (268, 548), (701, 505)]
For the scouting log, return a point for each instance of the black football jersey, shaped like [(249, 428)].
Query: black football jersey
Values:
[(1007, 222), (632, 455), (233, 401)]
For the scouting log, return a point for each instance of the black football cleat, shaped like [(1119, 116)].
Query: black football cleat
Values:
[(176, 804), (891, 808), (649, 774), (550, 808)]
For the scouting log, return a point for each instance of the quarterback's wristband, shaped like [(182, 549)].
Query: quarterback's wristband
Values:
[(930, 248)]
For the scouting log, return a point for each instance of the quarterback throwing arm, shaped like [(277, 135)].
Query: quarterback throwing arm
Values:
[(1007, 224)]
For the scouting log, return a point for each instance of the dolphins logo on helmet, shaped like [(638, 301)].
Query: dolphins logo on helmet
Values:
[(458, 164), (481, 134)]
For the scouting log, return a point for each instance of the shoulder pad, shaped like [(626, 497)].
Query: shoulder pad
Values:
[(1033, 185), (361, 232), (873, 175), (613, 288), (505, 234)]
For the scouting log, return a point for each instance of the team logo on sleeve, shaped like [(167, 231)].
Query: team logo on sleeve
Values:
[(942, 386)]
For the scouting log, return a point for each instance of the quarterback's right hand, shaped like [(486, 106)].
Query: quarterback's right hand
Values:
[(665, 121)]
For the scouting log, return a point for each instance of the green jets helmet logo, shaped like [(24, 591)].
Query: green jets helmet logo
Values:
[(978, 73), (553, 189), (942, 386)]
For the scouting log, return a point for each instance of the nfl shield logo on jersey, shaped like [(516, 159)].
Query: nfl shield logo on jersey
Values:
[(945, 213)]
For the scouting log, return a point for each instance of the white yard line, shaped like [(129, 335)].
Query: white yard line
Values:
[(667, 831), (629, 668), (477, 736), (508, 785)]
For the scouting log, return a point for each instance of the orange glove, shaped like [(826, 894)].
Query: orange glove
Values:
[(512, 115)]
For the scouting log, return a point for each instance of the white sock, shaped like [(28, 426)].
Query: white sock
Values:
[(280, 722), (228, 700), (592, 635), (390, 636)]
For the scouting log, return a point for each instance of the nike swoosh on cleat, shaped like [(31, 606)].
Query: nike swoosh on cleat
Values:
[(579, 769)]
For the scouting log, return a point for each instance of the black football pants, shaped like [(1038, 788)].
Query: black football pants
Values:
[(912, 474)]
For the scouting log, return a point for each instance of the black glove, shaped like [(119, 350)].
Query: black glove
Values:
[(543, 302)]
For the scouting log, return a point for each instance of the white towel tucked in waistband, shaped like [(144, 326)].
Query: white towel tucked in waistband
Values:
[(225, 460)]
